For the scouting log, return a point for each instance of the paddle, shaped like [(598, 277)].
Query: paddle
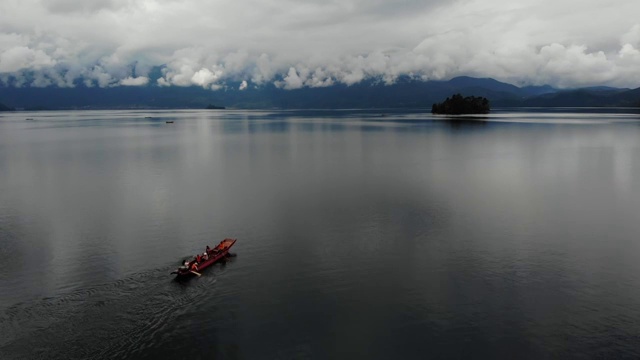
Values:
[(193, 272)]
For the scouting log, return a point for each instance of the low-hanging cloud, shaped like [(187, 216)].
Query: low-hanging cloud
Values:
[(135, 81), (314, 43)]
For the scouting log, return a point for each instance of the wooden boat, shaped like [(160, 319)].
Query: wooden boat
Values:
[(213, 255)]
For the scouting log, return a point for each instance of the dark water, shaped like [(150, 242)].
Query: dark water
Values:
[(359, 236)]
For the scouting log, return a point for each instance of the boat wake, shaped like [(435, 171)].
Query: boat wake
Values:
[(116, 319)]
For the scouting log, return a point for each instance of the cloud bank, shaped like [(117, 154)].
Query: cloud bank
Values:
[(316, 43)]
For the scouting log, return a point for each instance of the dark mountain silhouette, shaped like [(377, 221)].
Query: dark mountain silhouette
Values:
[(602, 88), (530, 91), (405, 93), (462, 82), (4, 107), (586, 98)]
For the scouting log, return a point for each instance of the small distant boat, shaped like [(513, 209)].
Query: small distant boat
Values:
[(200, 262), (169, 122)]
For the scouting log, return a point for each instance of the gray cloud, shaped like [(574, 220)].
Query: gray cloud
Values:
[(294, 43), (87, 6)]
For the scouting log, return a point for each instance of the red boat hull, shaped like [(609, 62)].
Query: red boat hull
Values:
[(215, 255)]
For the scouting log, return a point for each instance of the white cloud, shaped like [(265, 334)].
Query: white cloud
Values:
[(291, 81), (22, 57), (135, 81), (206, 78), (263, 71), (243, 85), (98, 76), (318, 43)]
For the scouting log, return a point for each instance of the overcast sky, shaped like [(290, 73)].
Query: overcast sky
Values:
[(295, 43)]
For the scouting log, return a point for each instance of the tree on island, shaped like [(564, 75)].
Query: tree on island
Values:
[(459, 105)]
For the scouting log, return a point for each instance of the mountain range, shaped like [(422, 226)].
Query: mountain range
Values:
[(404, 93)]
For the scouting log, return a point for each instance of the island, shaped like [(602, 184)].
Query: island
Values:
[(459, 105), (214, 107)]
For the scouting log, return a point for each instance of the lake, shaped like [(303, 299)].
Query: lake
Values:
[(366, 234)]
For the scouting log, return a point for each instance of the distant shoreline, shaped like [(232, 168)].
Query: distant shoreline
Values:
[(495, 110), (370, 94)]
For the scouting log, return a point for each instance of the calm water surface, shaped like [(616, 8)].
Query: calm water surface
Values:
[(360, 235)]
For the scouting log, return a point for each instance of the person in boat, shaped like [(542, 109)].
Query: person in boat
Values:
[(205, 256), (185, 266), (198, 258), (220, 246), (208, 249), (194, 266)]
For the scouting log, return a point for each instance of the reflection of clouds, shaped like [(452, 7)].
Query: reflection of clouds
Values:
[(420, 227), (626, 165)]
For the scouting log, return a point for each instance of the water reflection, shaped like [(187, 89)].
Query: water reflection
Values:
[(453, 238)]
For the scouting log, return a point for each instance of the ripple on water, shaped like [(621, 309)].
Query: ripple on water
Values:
[(116, 320)]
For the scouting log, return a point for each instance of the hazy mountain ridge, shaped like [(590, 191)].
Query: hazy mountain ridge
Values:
[(587, 98), (405, 93)]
